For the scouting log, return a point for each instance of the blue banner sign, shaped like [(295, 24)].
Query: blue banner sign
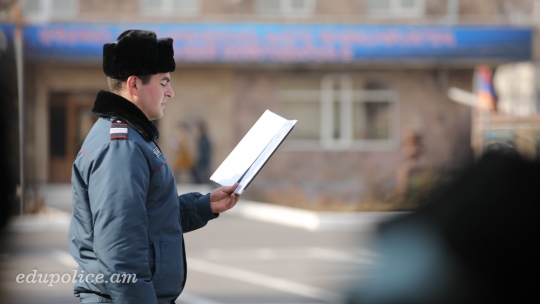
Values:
[(279, 43)]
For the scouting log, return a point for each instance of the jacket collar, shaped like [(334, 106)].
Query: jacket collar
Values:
[(110, 105)]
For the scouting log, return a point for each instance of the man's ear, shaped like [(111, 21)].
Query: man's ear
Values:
[(132, 84)]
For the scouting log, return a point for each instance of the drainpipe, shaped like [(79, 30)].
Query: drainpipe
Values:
[(18, 43), (535, 25)]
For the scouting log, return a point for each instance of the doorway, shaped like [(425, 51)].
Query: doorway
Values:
[(70, 120)]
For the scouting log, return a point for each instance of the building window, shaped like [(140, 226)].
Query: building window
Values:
[(285, 7), (47, 10), (340, 112), (396, 8), (169, 7)]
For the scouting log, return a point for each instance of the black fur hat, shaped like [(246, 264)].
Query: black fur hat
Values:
[(138, 52)]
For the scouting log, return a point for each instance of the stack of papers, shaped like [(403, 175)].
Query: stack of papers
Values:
[(253, 151)]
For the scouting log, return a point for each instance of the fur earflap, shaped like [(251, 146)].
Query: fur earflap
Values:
[(138, 52)]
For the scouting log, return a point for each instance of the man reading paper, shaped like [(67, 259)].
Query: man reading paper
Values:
[(127, 216)]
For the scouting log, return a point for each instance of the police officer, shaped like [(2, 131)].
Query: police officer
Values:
[(128, 221)]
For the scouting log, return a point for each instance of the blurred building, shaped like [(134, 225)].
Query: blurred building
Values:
[(357, 74)]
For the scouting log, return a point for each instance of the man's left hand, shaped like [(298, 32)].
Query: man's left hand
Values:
[(223, 198)]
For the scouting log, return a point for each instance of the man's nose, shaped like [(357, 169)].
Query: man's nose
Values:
[(170, 92)]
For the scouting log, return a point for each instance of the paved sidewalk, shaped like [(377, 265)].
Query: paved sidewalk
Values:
[(255, 253), (58, 196)]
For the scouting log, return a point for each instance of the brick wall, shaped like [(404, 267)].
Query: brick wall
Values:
[(320, 176)]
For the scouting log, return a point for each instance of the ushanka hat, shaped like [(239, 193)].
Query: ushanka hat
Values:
[(138, 52)]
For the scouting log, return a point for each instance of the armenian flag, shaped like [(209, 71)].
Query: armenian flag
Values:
[(487, 99)]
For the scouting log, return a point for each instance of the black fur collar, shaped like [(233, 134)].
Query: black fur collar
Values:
[(110, 105)]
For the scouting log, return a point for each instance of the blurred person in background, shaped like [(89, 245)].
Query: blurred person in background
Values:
[(201, 170), (411, 151), (474, 242), (128, 219), (182, 145)]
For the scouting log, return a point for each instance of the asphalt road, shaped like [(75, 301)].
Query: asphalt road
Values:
[(231, 260)]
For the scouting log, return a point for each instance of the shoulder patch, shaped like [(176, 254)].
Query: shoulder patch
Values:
[(119, 130), (157, 152)]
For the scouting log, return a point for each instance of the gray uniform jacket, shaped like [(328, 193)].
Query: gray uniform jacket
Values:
[(128, 219)]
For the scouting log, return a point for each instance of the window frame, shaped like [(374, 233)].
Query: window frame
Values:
[(347, 97), (167, 8), (286, 9), (397, 10), (46, 13)]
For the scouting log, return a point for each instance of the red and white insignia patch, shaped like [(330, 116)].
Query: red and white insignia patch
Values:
[(119, 130)]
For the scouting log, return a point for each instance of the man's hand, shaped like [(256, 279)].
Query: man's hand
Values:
[(223, 198)]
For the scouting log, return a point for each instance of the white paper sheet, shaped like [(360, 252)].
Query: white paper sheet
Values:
[(263, 134)]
